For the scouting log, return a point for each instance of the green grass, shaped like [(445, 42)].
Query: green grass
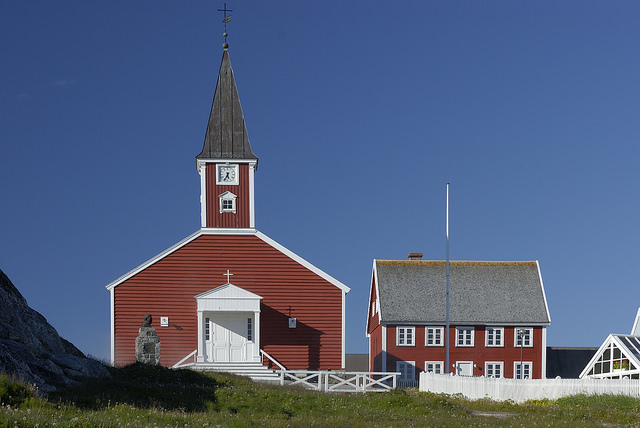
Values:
[(143, 396)]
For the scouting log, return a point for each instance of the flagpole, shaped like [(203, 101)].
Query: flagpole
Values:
[(447, 370)]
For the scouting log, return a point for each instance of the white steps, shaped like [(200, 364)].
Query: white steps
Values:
[(255, 371)]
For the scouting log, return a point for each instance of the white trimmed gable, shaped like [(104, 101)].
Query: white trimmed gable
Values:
[(228, 298), (617, 357), (221, 231)]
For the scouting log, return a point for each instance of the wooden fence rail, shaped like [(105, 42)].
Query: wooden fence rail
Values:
[(329, 381)]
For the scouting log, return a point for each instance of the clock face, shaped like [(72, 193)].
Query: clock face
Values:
[(228, 174)]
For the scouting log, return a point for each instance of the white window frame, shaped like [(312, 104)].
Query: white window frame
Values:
[(528, 339), (490, 366), (528, 365), (407, 370), (467, 333), (229, 197), (494, 337), (437, 367), (436, 342), (401, 335)]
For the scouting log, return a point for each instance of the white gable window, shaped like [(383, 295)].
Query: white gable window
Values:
[(434, 336), (407, 370), (494, 336), (405, 336), (434, 367), (494, 369), (227, 202), (523, 337), (522, 371), (464, 336)]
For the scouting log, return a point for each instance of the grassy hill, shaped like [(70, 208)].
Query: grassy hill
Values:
[(143, 396)]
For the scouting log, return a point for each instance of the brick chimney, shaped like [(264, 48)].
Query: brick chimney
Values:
[(415, 256)]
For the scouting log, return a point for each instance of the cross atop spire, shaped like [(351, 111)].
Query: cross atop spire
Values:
[(228, 275), (226, 19)]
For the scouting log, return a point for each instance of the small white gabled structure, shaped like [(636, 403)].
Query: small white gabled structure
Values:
[(228, 325), (618, 357)]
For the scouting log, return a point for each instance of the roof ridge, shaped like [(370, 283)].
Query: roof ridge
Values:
[(454, 263)]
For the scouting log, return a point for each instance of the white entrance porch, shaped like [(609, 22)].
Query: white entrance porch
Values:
[(228, 326)]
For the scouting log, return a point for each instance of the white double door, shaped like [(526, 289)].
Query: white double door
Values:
[(229, 337)]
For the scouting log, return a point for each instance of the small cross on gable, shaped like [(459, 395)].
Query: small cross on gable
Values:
[(228, 275)]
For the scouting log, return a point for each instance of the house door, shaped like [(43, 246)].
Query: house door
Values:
[(228, 340), (464, 368)]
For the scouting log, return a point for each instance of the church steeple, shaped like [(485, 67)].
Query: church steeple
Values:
[(226, 136), (226, 163)]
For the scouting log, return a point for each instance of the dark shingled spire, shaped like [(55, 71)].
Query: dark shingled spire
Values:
[(226, 136)]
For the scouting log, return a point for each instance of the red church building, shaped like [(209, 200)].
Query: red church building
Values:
[(497, 324), (228, 294)]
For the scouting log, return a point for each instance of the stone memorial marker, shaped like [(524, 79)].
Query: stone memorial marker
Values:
[(148, 343)]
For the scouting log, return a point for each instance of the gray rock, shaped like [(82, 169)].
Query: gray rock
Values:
[(31, 349)]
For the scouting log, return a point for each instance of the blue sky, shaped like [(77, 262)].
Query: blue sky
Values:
[(360, 112)]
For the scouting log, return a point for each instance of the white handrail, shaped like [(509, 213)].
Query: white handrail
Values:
[(176, 365), (273, 360)]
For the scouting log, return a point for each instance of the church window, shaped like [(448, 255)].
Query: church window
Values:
[(249, 329), (228, 202), (207, 329)]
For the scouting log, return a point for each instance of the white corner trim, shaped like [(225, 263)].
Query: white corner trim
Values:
[(203, 193), (113, 327), (252, 204), (544, 294), (303, 262), (344, 323), (543, 375)]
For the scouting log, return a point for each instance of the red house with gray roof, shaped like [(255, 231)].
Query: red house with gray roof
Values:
[(498, 318), (228, 295)]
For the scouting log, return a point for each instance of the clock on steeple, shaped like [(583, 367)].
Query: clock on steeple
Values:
[(227, 163)]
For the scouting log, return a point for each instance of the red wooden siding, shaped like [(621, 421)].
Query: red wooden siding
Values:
[(373, 320), (479, 353), (168, 287), (241, 218)]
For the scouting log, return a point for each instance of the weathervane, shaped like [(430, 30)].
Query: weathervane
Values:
[(226, 19)]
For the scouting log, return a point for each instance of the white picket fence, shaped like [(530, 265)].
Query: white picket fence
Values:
[(522, 390), (328, 381)]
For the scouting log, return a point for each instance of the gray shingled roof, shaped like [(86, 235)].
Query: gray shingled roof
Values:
[(414, 291), (226, 136)]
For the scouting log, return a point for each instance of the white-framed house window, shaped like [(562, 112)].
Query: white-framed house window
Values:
[(434, 336), (434, 367), (407, 370), (494, 336), (494, 369), (406, 336), (227, 202), (523, 336), (522, 371), (464, 336)]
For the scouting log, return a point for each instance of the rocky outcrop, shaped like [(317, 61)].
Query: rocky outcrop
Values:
[(31, 349)]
